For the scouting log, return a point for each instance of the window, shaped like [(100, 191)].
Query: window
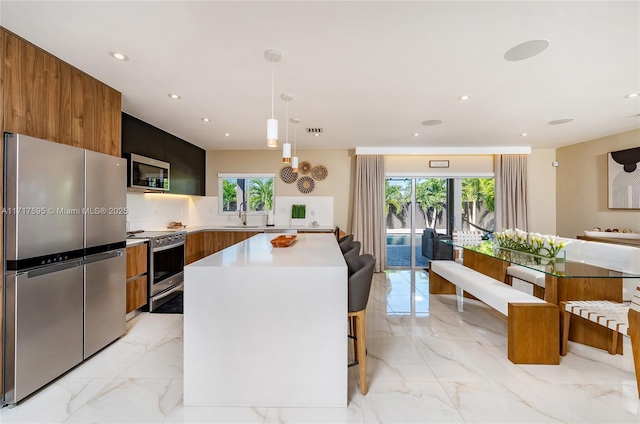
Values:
[(256, 192)]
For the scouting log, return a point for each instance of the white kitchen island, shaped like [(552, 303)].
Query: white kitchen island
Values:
[(267, 327)]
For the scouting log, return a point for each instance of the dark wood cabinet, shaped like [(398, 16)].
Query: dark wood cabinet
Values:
[(136, 276), (187, 161)]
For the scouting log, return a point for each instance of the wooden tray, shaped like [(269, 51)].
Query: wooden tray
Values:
[(283, 241)]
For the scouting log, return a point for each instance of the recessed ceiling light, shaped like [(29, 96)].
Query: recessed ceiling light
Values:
[(629, 96), (118, 56), (432, 122), (415, 134), (526, 50), (317, 134), (206, 119), (465, 97), (226, 134), (560, 121), (174, 96), (524, 134)]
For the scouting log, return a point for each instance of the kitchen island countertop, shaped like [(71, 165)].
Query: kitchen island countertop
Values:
[(265, 326)]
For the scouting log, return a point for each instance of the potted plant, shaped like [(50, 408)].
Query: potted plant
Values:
[(298, 215)]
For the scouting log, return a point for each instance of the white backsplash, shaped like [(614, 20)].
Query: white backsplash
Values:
[(154, 212), (149, 211)]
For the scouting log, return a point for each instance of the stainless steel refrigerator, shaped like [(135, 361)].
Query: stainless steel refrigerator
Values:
[(65, 262)]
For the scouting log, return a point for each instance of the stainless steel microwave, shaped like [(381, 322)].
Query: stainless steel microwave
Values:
[(148, 174)]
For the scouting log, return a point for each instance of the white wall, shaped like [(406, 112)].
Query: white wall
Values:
[(542, 190)]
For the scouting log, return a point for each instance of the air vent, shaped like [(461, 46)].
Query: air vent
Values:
[(314, 130)]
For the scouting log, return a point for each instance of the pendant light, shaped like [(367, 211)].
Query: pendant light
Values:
[(272, 56), (286, 147), (294, 158)]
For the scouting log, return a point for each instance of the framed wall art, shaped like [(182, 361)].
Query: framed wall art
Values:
[(623, 179)]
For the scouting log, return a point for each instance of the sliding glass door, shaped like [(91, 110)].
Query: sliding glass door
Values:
[(443, 204), (413, 204)]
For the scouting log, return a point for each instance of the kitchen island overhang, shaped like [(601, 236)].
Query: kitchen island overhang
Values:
[(267, 327)]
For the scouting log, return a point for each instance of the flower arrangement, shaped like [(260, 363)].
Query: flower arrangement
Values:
[(542, 245)]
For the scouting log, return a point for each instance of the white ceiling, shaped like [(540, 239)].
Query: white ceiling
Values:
[(368, 73)]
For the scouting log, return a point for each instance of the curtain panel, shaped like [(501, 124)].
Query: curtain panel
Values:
[(368, 223), (511, 197)]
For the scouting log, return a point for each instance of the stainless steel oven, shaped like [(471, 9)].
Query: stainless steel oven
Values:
[(166, 265)]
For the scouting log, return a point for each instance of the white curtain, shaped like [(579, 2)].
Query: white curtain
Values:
[(511, 204), (367, 223)]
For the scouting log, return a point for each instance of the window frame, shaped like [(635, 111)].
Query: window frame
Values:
[(248, 177)]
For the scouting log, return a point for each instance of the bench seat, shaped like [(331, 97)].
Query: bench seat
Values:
[(526, 274), (532, 324), (490, 291)]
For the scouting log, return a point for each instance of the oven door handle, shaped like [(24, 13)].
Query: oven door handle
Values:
[(171, 246), (168, 292)]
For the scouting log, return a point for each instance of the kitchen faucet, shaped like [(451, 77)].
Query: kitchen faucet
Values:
[(242, 213)]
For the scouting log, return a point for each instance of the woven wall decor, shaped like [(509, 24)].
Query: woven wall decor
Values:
[(306, 185), (319, 172), (287, 175), (304, 167)]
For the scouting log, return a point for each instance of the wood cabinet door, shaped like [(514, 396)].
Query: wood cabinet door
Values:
[(136, 293), (194, 247), (212, 242), (96, 116), (37, 92), (108, 121), (83, 108), (136, 260)]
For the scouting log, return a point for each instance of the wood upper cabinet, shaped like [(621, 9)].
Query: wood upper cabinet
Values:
[(96, 117), (47, 98), (37, 92)]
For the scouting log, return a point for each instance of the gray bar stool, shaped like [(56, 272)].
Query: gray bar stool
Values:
[(359, 288), (351, 257), (344, 242)]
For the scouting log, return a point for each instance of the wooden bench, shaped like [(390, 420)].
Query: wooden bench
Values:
[(533, 325)]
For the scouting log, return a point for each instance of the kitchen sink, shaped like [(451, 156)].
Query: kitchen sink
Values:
[(240, 226)]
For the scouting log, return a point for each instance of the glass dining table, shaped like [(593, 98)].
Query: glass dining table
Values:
[(565, 279)]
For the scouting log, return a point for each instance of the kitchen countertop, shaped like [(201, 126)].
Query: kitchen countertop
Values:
[(134, 241), (287, 303), (258, 229)]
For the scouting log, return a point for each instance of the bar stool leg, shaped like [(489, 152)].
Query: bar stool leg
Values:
[(361, 350)]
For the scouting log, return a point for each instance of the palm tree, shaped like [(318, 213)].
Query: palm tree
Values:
[(228, 194), (261, 194), (395, 201), (470, 197), (478, 195), (431, 196)]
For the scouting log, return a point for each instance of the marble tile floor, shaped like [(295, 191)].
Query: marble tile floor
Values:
[(426, 364)]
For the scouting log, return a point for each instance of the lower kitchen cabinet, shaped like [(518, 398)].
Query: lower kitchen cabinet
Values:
[(194, 247), (136, 276), (205, 243)]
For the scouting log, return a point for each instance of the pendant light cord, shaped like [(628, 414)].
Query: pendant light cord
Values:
[(295, 139), (273, 67), (286, 127)]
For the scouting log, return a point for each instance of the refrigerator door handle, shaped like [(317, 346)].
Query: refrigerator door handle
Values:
[(102, 256), (52, 268)]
